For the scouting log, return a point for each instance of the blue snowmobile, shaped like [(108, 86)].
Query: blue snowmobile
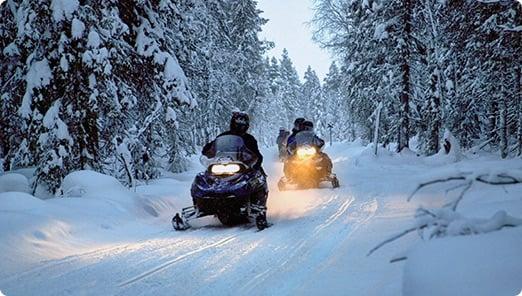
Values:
[(228, 188)]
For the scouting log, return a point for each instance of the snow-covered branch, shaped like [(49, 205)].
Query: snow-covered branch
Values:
[(446, 221)]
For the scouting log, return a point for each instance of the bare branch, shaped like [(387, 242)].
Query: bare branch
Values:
[(395, 237), (424, 212), (457, 201), (398, 259), (511, 180), (422, 185)]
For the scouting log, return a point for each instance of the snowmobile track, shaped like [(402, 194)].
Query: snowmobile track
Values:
[(175, 260)]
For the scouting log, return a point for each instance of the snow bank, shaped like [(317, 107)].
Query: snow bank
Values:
[(29, 231), (89, 184), (449, 152), (163, 197), (14, 182), (94, 209), (488, 264), (18, 201), (385, 155)]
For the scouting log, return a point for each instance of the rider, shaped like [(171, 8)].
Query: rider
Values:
[(298, 126), (282, 141), (309, 127), (326, 161), (239, 124)]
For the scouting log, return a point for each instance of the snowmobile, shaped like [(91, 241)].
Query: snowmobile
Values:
[(228, 188), (305, 168)]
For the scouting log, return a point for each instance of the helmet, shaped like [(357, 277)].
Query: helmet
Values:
[(308, 126), (298, 124), (239, 123)]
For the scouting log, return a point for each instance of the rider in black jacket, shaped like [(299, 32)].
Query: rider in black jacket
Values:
[(239, 124)]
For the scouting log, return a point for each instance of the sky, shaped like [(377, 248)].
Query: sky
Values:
[(288, 29)]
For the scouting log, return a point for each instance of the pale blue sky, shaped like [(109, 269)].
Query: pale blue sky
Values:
[(288, 29)]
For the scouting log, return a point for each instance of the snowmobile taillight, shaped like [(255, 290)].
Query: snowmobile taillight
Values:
[(225, 169), (305, 152)]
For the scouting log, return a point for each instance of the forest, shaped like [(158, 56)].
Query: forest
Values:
[(133, 88)]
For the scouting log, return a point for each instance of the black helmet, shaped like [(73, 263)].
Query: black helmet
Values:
[(298, 124), (239, 123), (308, 126)]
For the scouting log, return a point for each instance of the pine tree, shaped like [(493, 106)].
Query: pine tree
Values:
[(453, 64), (290, 87), (312, 99), (336, 105), (85, 70)]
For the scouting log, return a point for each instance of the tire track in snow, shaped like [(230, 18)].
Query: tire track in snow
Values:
[(265, 274), (297, 255), (95, 254), (327, 245), (369, 209), (342, 209), (175, 260)]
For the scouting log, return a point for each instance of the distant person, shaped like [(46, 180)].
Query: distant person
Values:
[(281, 142)]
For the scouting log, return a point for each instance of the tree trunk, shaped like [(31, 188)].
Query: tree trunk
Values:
[(503, 121), (520, 128), (503, 127), (493, 115), (404, 51), (518, 93), (435, 116)]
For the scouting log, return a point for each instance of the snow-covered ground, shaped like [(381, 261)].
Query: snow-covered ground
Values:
[(103, 239)]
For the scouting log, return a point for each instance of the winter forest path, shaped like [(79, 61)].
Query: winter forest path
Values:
[(317, 245)]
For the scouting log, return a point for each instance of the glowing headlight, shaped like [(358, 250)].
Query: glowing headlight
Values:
[(304, 152), (225, 169)]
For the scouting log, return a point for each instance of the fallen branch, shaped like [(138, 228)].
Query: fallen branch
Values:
[(422, 185), (395, 237), (439, 221), (502, 179)]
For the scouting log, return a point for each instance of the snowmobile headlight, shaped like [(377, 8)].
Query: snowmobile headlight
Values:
[(225, 169), (305, 152)]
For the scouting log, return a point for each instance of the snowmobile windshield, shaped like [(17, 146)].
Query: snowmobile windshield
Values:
[(229, 148), (307, 138)]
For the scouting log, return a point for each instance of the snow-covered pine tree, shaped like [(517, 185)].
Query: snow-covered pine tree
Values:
[(336, 105), (365, 40), (55, 146), (85, 65), (234, 62), (312, 99), (268, 116), (10, 123), (289, 86), (459, 54)]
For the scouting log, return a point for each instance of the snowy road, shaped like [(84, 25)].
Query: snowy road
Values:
[(318, 244)]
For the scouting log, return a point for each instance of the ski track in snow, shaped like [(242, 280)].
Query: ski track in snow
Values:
[(312, 235)]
